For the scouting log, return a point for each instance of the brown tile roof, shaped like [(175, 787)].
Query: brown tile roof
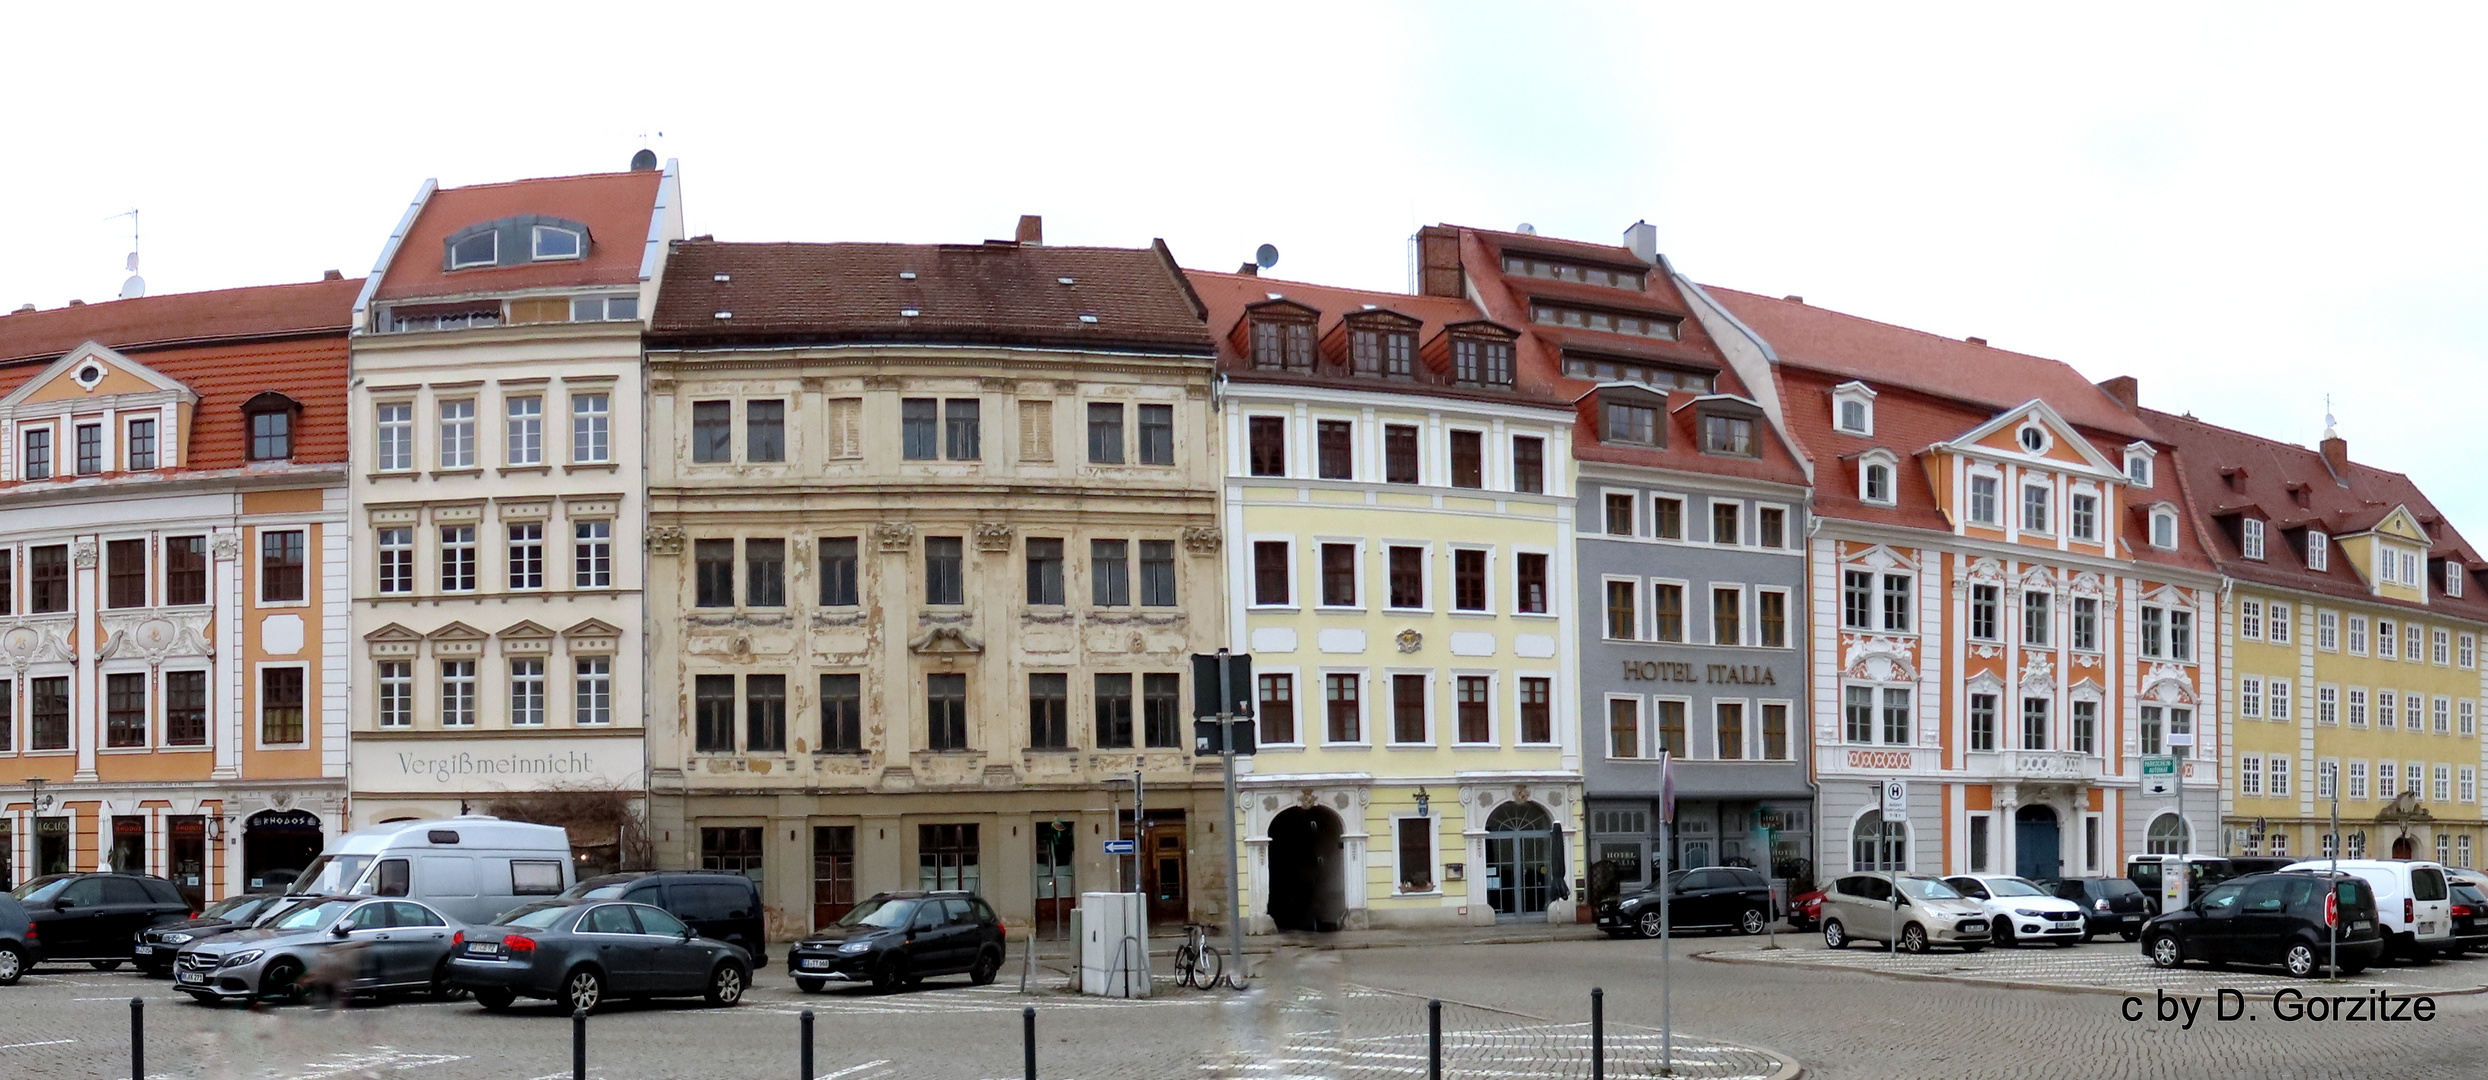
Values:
[(1226, 296), (2264, 472), (615, 207), (154, 322), (998, 292)]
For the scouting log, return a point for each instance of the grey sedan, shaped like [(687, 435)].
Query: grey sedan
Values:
[(580, 953), (336, 944)]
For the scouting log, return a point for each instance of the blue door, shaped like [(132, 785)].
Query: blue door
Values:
[(2035, 839)]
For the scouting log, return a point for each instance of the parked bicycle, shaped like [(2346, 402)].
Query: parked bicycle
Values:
[(1198, 963)]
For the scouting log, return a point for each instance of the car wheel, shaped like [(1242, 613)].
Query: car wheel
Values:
[(726, 984), (495, 1000), (1753, 921), (12, 965), (893, 974), (283, 981), (2130, 934), (988, 967), (103, 965), (1913, 938), (1833, 936), (2003, 933), (810, 986), (2166, 951), (1651, 925), (441, 990), (2300, 960), (584, 990), (2086, 935)]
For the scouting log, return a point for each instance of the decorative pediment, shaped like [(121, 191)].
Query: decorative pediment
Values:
[(2169, 684), (456, 631), (592, 636), (1879, 659), (2088, 690), (2168, 595), (1984, 441), (92, 369), (2039, 579), (393, 642), (1985, 682), (1882, 557), (593, 628), (2038, 674), (945, 641), (2087, 583), (1984, 570), (525, 637)]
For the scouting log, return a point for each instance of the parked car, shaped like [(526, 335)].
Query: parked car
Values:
[(2149, 873), (2414, 904), (896, 939), (1709, 898), (2242, 865), (2018, 909), (383, 945), (1913, 910), (581, 953), (717, 903), (2289, 918), (2115, 905), (2470, 918), (1805, 912), (96, 917), (470, 868), (20, 941), (157, 945)]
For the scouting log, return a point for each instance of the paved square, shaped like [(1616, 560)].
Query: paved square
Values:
[(2109, 966)]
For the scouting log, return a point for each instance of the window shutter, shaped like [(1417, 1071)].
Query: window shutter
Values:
[(846, 427), (1036, 431)]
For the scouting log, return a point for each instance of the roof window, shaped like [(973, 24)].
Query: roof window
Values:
[(479, 249), (1853, 408), (1382, 344), (1604, 369), (556, 242), (1282, 339), (1552, 270), (1481, 361), (271, 418), (1637, 324)]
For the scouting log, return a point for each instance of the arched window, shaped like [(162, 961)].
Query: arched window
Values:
[(1872, 848), (271, 418), (2167, 836)]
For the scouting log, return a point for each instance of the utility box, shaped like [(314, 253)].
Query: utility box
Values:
[(1114, 944)]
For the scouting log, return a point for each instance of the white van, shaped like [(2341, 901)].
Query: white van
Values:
[(471, 868), (2413, 903)]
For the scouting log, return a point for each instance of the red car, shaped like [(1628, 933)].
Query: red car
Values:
[(1806, 910)]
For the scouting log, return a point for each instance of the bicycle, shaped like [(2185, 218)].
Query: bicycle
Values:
[(1197, 963)]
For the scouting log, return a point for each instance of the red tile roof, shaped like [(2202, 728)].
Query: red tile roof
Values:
[(1226, 296), (615, 207), (999, 292), (310, 370), (154, 322)]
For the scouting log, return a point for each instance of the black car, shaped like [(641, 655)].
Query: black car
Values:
[(2290, 918), (717, 903), (2242, 865), (2470, 919), (1710, 898), (2114, 905), (19, 940), (582, 953), (896, 939), (96, 917), (153, 954)]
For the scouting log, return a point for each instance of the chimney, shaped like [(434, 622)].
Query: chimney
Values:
[(77, 303), (1643, 239), (1031, 230), (1249, 269), (1794, 298), (2336, 451), (1976, 340), (331, 275), (2125, 390), (23, 309)]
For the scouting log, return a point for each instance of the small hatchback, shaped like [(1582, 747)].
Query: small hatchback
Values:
[(1912, 911), (2287, 918), (2019, 910), (581, 954), (896, 939)]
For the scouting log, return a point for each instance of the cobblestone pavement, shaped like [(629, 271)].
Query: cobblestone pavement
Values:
[(2116, 968)]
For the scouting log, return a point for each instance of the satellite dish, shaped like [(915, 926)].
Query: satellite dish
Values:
[(134, 288), (1266, 256), (1527, 229), (644, 161)]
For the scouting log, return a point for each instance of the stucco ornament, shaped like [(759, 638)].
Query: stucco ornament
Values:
[(1201, 539), (226, 546), (1410, 641), (1878, 659), (894, 535), (84, 554), (993, 536), (2038, 673), (665, 540)]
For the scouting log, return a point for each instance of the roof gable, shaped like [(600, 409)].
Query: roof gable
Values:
[(2400, 524), (63, 379), (2000, 436)]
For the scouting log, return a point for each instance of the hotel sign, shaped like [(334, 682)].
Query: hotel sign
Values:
[(1717, 674)]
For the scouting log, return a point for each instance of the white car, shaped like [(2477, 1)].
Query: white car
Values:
[(2018, 910)]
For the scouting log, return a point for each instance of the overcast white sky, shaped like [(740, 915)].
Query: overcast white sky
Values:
[(2249, 207)]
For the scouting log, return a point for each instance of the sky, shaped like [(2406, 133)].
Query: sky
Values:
[(2251, 208)]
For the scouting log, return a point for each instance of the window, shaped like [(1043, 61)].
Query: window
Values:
[(1854, 417), (526, 430), (2388, 640), (1468, 579), (1771, 618), (946, 712), (1477, 362), (603, 308), (1727, 616), (1282, 346), (1407, 577), (2388, 709), (2164, 530), (1667, 611), (47, 574), (1473, 697), (2328, 705), (1270, 572), (47, 719), (1334, 448), (2319, 551), (1529, 575), (2440, 647), (764, 714), (1049, 710), (712, 431), (1528, 464), (1667, 517), (2466, 652), (271, 416), (2085, 623), (2252, 531), (2149, 718), (2035, 620), (2387, 784), (1468, 459), (2440, 788), (1876, 485), (2328, 631), (125, 568), (1726, 522), (1399, 454), (1857, 599), (1157, 434), (185, 571), (2250, 774), (125, 709), (2250, 619), (2355, 703), (944, 571), (1728, 726), (1732, 436), (1387, 353), (2278, 691), (1896, 602), (1634, 424), (90, 443), (764, 430), (526, 556), (2086, 727), (1110, 573), (2411, 652), (591, 423), (592, 685), (1114, 711), (842, 714), (280, 705), (1671, 727), (142, 444), (1415, 846), (457, 693), (764, 573), (393, 433), (185, 709), (713, 573), (555, 242), (1774, 731), (2358, 635), (1339, 575), (1985, 601), (1877, 845), (1896, 716), (1858, 715), (1983, 500), (2084, 519), (2154, 632), (1619, 513), (592, 554), (1157, 573), (281, 566), (1045, 570), (946, 857), (1342, 722), (2034, 723), (526, 692), (2468, 709), (38, 455), (2276, 628), (2034, 507), (1105, 434), (1623, 623), (839, 573), (1408, 720), (2453, 578), (1277, 712), (1537, 713), (457, 434), (1624, 727)]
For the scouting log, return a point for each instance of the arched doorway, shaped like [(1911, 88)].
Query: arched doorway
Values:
[(2036, 837), (2403, 848), (276, 845), (1872, 848), (1308, 880), (2167, 836), (1520, 860)]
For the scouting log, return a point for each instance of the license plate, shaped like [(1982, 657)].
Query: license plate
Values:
[(142, 950), (2359, 926), (483, 949), (816, 965), (2427, 928), (190, 977), (2133, 918)]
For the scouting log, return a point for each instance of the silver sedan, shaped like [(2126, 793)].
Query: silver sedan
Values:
[(336, 945)]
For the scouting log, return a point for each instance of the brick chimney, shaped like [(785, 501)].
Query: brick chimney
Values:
[(1031, 230), (2336, 451), (1249, 269), (2125, 390)]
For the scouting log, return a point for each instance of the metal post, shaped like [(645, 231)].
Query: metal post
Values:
[(1235, 836), (1598, 1033), (578, 1044), (2332, 899), (1028, 1039), (1434, 1039), (807, 1073), (1667, 945), (138, 1039)]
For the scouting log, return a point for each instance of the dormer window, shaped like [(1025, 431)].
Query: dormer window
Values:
[(1876, 481), (1637, 425), (2138, 464), (271, 418), (2453, 577), (1558, 271), (1382, 345), (1661, 327), (556, 242), (2319, 550), (2035, 503), (1479, 361), (1983, 500), (479, 249), (2251, 538), (1603, 369), (1282, 344), (1853, 408), (2164, 528), (1732, 436)]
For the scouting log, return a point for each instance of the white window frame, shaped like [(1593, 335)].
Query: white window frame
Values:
[(1554, 723), (1788, 604), (542, 680), (1684, 517), (312, 565), (1993, 497), (1434, 852), (2327, 705), (535, 243), (2250, 619), (1364, 704), (1252, 542), (578, 686), (1789, 540), (1364, 588), (2138, 464), (1425, 575), (2082, 523), (382, 428), (2356, 789), (2276, 622), (259, 701), (1710, 521), (2250, 538), (455, 263), (2045, 509), (587, 422), (1645, 728), (2250, 696), (2354, 706), (456, 433), (2249, 776), (2466, 651), (1606, 505), (1641, 615), (522, 442), (579, 547), (1867, 464), (1864, 396), (1748, 738), (2164, 520), (2328, 630), (2319, 550), (1451, 574), (1494, 705), (2358, 629), (380, 712), (1710, 611), (2440, 646)]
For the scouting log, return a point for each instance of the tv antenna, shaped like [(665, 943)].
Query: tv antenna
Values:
[(136, 286)]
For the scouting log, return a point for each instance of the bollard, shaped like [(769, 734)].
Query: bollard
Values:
[(138, 1039), (1434, 1039), (1028, 1038), (578, 1044), (807, 1074), (1598, 1033)]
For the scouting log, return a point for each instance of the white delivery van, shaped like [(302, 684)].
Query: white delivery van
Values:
[(2413, 903), (471, 868)]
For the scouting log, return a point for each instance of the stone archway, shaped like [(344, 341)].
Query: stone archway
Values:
[(1308, 872)]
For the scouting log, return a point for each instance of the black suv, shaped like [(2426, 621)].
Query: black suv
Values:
[(2114, 905), (895, 939), (719, 904), (97, 917), (2289, 918), (1710, 898), (157, 945), (19, 940)]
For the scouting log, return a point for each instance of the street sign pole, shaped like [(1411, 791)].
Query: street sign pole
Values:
[(1667, 930), (1226, 756), (2332, 899)]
